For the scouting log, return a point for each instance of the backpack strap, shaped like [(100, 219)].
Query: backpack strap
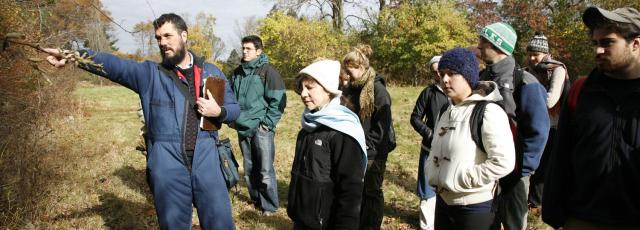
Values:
[(518, 75), (184, 89), (574, 93), (475, 123)]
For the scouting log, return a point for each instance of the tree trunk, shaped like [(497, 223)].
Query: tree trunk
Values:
[(336, 8)]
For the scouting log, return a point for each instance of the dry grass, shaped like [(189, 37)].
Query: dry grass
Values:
[(100, 179)]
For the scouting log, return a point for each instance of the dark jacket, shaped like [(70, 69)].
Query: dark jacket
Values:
[(426, 112), (528, 105), (326, 180), (594, 171), (260, 92), (377, 127)]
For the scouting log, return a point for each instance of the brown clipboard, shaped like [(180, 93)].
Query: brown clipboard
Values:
[(216, 86)]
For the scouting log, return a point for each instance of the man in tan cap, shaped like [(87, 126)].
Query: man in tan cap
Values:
[(594, 171)]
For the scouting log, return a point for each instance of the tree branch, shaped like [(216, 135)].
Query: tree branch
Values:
[(108, 17), (70, 55)]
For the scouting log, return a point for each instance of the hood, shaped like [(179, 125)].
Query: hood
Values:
[(485, 91), (504, 66), (249, 66), (380, 79)]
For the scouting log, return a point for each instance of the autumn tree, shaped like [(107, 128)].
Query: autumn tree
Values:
[(145, 38), (410, 34), (480, 12), (293, 43), (33, 98), (561, 22), (203, 39)]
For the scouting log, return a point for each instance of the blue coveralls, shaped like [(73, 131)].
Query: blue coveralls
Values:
[(173, 185)]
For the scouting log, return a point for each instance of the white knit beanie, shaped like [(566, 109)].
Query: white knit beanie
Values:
[(326, 73), (434, 59)]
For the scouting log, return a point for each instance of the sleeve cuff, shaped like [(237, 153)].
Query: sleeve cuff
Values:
[(223, 114)]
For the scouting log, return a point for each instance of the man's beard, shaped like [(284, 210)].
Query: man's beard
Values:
[(616, 64), (178, 56)]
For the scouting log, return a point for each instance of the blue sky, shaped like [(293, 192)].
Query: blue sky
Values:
[(129, 12)]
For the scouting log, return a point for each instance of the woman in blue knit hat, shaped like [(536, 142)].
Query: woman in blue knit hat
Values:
[(463, 173)]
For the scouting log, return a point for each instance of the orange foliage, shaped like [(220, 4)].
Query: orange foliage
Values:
[(32, 95)]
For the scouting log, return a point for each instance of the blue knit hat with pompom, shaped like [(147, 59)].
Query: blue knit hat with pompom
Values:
[(462, 61)]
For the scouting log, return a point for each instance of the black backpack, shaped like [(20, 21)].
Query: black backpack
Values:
[(475, 121)]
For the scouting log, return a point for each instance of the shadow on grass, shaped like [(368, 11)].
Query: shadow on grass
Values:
[(135, 179), (117, 213), (401, 178), (273, 222), (406, 181), (283, 191), (406, 215)]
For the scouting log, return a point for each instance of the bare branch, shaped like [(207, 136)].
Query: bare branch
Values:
[(107, 16)]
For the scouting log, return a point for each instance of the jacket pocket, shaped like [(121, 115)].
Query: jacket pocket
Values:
[(458, 179), (309, 201), (162, 117)]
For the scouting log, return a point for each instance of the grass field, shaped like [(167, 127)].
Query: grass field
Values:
[(102, 176)]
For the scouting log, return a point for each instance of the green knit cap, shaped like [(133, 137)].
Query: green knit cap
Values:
[(501, 35)]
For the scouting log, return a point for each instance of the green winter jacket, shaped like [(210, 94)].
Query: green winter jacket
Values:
[(260, 92)]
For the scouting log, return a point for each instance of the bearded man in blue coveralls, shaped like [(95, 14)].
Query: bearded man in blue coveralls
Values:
[(183, 164)]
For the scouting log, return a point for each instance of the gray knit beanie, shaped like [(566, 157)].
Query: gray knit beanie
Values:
[(538, 43)]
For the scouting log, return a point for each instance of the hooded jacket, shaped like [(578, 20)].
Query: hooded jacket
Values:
[(527, 103), (458, 169), (262, 99)]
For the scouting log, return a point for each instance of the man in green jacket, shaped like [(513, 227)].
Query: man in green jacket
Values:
[(260, 92)]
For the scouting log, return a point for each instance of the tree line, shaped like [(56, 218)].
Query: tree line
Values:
[(404, 34)]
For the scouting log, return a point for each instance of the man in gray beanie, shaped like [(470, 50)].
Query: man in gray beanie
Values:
[(524, 100), (553, 76), (426, 113), (594, 170)]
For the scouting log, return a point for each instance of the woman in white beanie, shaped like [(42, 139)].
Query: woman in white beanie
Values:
[(328, 169)]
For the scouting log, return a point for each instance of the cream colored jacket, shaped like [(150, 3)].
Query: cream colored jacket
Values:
[(460, 171)]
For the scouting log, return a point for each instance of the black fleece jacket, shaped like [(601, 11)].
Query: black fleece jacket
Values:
[(594, 170), (326, 180), (377, 127), (426, 113)]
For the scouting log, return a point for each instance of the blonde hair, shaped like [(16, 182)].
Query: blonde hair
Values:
[(358, 57)]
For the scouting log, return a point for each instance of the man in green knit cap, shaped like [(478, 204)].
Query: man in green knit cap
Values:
[(525, 101), (261, 94)]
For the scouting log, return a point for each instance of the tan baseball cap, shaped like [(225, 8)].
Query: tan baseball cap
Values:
[(594, 15)]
